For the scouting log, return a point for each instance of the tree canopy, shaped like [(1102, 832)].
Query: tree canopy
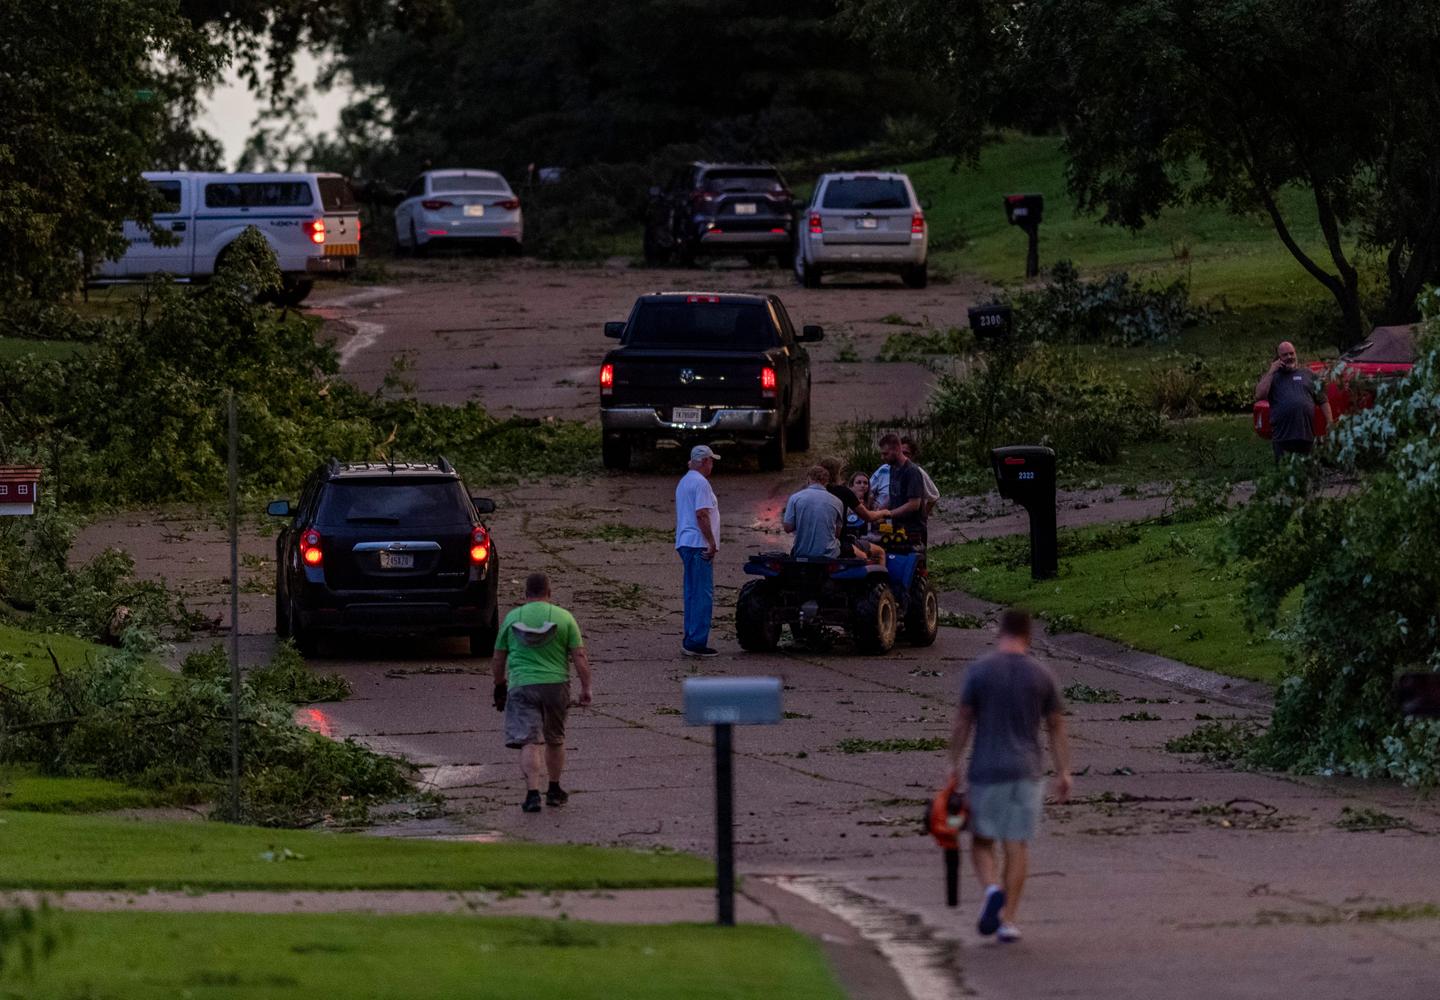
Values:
[(1167, 101)]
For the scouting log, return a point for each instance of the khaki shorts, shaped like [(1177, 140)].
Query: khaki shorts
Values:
[(535, 713)]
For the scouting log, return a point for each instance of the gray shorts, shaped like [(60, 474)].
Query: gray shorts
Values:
[(535, 713), (1006, 810)]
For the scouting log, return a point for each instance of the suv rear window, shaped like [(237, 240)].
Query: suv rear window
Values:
[(459, 185), (408, 503), (742, 181), (258, 194), (866, 192), (337, 195), (705, 326)]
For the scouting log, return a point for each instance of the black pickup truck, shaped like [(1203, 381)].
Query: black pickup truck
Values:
[(706, 368)]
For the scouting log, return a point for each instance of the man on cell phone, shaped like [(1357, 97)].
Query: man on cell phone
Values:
[(1293, 393)]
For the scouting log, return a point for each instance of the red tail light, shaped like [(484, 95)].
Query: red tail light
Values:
[(479, 544), (815, 224), (709, 299), (767, 379), (607, 378), (357, 229), (917, 223), (315, 229), (509, 204), (310, 553), (435, 204)]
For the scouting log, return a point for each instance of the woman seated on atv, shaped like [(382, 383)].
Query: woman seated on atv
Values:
[(858, 517)]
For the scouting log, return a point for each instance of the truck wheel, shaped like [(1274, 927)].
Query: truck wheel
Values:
[(876, 620), (785, 258), (615, 453), (305, 637), (416, 247), (755, 628), (807, 274), (294, 291), (282, 616), (482, 641), (800, 432), (917, 276), (922, 618), (772, 454)]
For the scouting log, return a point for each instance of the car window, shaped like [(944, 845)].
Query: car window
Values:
[(743, 181), (166, 196), (866, 192), (258, 194), (337, 195), (403, 502), (459, 185), (782, 317), (705, 326)]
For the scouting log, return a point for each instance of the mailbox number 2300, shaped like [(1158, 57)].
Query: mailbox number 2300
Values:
[(1026, 475)]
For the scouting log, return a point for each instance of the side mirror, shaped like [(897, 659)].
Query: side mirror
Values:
[(483, 505), (810, 334), (615, 329), (279, 508)]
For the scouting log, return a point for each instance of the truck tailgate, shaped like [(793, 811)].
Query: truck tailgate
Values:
[(709, 378)]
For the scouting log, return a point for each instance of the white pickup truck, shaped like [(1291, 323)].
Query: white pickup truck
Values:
[(312, 222)]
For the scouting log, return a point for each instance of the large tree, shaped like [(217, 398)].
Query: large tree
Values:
[(1233, 101), (84, 92)]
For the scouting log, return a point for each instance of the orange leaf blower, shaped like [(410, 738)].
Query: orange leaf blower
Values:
[(947, 815)]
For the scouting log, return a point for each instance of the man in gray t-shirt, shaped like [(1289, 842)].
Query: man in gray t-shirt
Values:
[(814, 516), (1006, 697), (1293, 394)]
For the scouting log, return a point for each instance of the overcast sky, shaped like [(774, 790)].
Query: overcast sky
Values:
[(231, 110)]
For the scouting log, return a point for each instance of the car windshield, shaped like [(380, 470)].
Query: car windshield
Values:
[(702, 326), (743, 182), (405, 502), (337, 195), (468, 182), (866, 192)]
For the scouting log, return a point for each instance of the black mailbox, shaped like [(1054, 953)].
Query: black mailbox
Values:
[(990, 322), (1024, 210), (1026, 474)]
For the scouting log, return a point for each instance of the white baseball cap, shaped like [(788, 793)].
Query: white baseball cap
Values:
[(701, 452)]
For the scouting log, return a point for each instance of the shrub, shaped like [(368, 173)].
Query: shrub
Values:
[(1114, 310)]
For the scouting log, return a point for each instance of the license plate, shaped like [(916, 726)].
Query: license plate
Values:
[(685, 414), (474, 211), (397, 560), (342, 249), (745, 208), (867, 223)]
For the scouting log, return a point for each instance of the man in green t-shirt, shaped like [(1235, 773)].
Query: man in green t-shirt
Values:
[(537, 643)]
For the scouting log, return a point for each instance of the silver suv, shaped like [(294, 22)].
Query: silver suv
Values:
[(862, 222)]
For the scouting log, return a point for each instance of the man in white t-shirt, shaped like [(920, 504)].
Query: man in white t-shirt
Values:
[(697, 539)]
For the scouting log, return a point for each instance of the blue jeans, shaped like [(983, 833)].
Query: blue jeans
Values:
[(699, 596)]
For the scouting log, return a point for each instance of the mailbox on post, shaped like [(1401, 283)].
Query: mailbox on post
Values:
[(1026, 474), (726, 702), (991, 322), (1027, 211)]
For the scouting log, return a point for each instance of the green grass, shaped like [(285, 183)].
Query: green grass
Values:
[(45, 851), (214, 956), (22, 788), (12, 348), (29, 652), (1156, 588)]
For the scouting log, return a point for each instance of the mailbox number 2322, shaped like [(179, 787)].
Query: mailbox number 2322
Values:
[(1027, 475)]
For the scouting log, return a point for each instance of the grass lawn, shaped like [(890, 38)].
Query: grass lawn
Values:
[(1157, 588), (145, 955), (29, 652), (12, 348), (22, 788), (47, 851)]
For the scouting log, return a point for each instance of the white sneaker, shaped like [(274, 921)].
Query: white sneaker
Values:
[(1008, 933)]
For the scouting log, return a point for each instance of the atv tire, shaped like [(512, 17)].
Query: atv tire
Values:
[(877, 619), (922, 618), (755, 628)]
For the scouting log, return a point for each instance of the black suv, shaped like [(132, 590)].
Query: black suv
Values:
[(395, 548), (721, 208)]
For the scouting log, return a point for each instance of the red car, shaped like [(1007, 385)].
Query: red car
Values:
[(1389, 352)]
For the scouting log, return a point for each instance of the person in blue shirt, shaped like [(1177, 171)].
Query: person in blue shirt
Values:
[(814, 516)]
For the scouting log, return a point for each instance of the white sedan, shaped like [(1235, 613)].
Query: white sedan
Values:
[(459, 208)]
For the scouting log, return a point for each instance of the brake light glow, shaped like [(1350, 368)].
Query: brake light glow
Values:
[(767, 379), (917, 223), (815, 225), (509, 204), (357, 229), (711, 299), (435, 204), (315, 229), (607, 379), (779, 230), (479, 544), (310, 553)]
